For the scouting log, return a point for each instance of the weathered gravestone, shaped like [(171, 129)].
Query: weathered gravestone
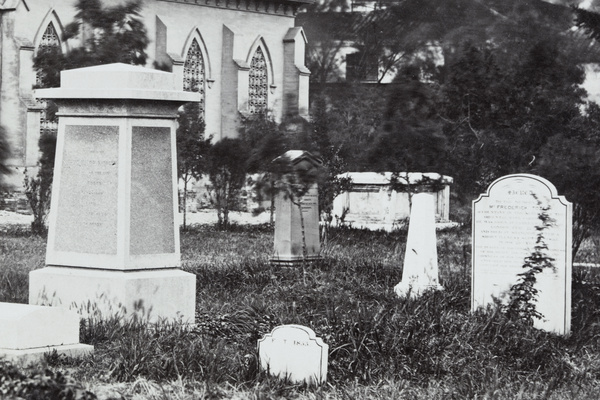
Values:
[(504, 233), (293, 217), (294, 352), (113, 240), (28, 332), (420, 269)]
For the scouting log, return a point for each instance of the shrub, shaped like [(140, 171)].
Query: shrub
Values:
[(39, 384), (227, 172)]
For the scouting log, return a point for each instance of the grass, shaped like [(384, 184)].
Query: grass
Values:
[(381, 346)]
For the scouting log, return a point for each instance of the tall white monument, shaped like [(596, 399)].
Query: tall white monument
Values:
[(420, 270), (113, 240)]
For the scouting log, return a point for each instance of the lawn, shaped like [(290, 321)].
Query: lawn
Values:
[(380, 346)]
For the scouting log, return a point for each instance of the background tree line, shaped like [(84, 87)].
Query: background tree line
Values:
[(506, 99)]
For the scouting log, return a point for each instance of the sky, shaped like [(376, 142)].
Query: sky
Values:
[(588, 4)]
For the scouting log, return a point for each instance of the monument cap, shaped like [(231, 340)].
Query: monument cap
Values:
[(118, 81)]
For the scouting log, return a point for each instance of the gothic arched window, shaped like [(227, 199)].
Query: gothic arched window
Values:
[(194, 73), (258, 85), (50, 41)]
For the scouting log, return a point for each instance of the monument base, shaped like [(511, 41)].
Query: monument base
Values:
[(404, 289), (153, 295), (35, 355), (293, 260), (28, 332)]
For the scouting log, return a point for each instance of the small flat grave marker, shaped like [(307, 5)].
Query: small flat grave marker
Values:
[(28, 332), (504, 233), (294, 352)]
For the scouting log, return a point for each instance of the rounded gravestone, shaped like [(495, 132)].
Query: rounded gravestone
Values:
[(505, 221)]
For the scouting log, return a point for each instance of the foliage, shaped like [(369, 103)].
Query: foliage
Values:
[(380, 345), (411, 139), (265, 139), (570, 159), (192, 149), (351, 115), (588, 20), (523, 294), (226, 168), (39, 384), (508, 118), (39, 189), (4, 153), (109, 34), (331, 183)]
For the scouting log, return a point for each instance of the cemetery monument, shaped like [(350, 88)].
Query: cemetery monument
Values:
[(420, 268), (290, 223), (113, 238), (27, 332), (504, 233)]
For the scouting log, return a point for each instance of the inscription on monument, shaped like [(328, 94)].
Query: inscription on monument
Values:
[(152, 214), (504, 233), (87, 202)]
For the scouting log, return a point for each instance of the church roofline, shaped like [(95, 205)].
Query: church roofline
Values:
[(287, 8)]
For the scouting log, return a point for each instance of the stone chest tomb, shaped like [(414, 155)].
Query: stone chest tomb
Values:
[(373, 203)]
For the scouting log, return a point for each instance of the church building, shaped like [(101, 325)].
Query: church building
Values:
[(246, 56)]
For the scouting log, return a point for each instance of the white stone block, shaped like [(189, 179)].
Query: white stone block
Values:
[(28, 331), (153, 294)]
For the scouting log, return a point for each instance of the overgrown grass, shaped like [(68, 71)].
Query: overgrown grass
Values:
[(381, 346)]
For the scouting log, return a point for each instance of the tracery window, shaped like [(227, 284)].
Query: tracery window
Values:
[(49, 41), (258, 85), (194, 73)]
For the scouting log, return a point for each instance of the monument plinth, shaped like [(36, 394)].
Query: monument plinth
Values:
[(113, 236)]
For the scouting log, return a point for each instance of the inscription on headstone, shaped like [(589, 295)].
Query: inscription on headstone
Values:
[(88, 190), (152, 213), (504, 233), (294, 352)]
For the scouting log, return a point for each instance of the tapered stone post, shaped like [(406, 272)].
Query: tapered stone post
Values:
[(420, 271)]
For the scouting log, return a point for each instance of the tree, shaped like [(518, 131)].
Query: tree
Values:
[(266, 141), (38, 190), (331, 184), (523, 117), (4, 154), (227, 167), (192, 149), (108, 35), (589, 21), (411, 137), (571, 161)]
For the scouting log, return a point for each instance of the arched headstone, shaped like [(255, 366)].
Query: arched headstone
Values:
[(504, 233)]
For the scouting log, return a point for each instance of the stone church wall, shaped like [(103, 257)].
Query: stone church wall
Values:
[(228, 33)]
